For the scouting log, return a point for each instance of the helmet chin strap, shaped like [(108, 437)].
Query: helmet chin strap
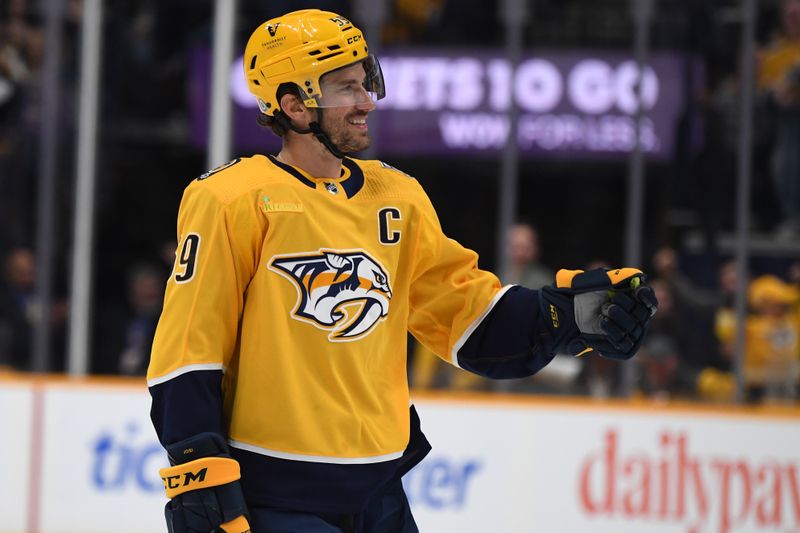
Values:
[(315, 129)]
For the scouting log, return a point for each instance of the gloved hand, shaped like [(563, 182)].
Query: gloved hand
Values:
[(603, 310), (203, 487)]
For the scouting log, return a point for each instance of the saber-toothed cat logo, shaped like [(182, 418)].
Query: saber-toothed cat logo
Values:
[(346, 293)]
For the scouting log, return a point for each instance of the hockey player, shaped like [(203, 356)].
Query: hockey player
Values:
[(278, 370)]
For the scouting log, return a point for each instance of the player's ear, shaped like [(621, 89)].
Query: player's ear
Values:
[(296, 110)]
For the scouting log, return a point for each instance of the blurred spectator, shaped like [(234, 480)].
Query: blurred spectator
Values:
[(411, 19), (687, 295), (599, 377), (728, 283), (728, 288), (694, 309), (794, 274), (665, 371), (773, 340), (659, 358), (18, 310), (772, 349), (524, 267), (22, 52), (658, 364), (718, 160), (794, 279), (15, 75), (779, 77), (725, 315), (125, 333)]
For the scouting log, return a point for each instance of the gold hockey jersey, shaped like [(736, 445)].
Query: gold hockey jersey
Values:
[(302, 291)]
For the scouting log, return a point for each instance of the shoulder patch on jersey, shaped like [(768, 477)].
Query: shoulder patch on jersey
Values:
[(270, 205), (213, 171), (390, 167)]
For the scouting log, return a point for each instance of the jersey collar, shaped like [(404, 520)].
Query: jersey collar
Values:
[(352, 179)]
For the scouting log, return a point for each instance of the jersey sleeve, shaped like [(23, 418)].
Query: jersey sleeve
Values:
[(449, 294), (464, 315), (198, 327)]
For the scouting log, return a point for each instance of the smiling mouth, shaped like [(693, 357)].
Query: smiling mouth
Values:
[(360, 123)]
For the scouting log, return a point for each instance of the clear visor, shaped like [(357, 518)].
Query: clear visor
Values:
[(354, 85)]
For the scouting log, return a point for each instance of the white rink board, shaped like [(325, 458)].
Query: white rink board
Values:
[(476, 476), (16, 410), (101, 456), (495, 468), (551, 468)]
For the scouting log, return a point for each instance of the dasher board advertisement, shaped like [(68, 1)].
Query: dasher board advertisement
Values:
[(85, 459)]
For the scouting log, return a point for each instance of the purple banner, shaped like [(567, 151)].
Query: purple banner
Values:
[(568, 104)]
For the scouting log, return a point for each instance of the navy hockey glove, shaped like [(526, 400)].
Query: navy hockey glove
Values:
[(603, 310), (203, 487)]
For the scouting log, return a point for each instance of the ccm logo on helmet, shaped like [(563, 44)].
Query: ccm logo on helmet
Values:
[(353, 39)]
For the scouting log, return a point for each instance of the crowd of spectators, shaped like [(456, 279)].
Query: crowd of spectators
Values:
[(690, 348), (146, 159)]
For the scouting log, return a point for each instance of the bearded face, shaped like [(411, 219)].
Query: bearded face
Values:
[(347, 128), (346, 105)]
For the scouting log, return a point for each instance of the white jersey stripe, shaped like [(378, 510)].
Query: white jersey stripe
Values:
[(184, 370), (315, 458)]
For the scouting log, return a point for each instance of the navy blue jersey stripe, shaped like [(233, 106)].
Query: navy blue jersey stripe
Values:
[(188, 405), (355, 181), (321, 487), (509, 342), (293, 171)]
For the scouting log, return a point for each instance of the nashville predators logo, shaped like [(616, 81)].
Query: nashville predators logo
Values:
[(346, 293)]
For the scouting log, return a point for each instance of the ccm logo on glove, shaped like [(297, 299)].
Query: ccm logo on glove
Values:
[(173, 482), (195, 475), (554, 315)]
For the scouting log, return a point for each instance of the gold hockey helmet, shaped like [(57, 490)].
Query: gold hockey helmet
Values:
[(299, 48)]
